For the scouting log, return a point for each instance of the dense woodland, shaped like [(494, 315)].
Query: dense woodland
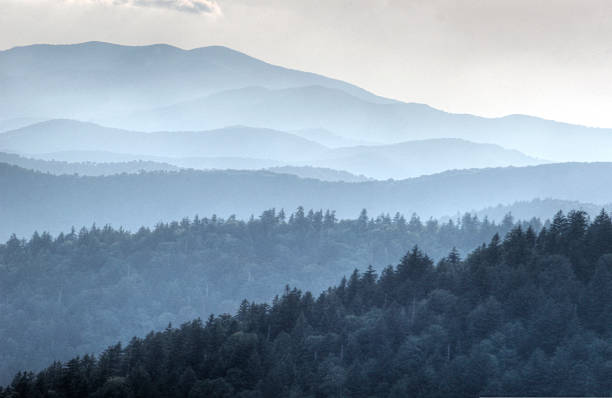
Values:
[(526, 315), (84, 290)]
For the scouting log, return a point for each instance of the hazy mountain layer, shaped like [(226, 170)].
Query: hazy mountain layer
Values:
[(100, 79), (35, 201), (70, 135), (330, 139), (165, 88), (84, 168), (254, 148), (319, 173), (202, 163), (351, 117), (417, 158), (16, 123), (131, 165)]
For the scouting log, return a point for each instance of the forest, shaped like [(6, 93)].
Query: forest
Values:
[(84, 290), (526, 314), (144, 199)]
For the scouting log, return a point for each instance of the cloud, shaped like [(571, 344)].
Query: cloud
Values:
[(188, 6)]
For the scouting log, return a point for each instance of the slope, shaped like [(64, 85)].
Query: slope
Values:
[(33, 200), (348, 116), (93, 79), (71, 135)]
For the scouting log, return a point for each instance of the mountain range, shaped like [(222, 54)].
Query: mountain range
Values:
[(255, 148), (87, 168), (144, 163), (346, 115), (247, 142), (92, 79), (159, 87), (104, 109), (37, 201), (133, 164)]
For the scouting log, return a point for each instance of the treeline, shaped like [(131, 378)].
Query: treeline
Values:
[(529, 315), (81, 291), (135, 200), (84, 168)]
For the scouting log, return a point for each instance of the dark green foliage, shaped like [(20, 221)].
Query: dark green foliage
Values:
[(518, 317), (79, 292)]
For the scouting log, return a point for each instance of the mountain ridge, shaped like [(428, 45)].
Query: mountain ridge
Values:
[(131, 200), (270, 147), (127, 85), (317, 107), (134, 77), (254, 142)]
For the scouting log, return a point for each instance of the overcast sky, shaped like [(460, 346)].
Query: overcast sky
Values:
[(550, 58)]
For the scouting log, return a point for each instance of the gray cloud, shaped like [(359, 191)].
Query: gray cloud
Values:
[(188, 6), (191, 6)]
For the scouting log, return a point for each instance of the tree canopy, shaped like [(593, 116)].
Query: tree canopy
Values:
[(528, 314), (83, 290)]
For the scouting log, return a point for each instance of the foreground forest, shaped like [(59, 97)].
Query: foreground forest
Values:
[(526, 315), (81, 291)]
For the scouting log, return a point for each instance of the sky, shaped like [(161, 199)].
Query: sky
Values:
[(548, 58)]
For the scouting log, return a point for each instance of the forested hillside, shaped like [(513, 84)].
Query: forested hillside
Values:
[(540, 208), (78, 292), (526, 315), (37, 201)]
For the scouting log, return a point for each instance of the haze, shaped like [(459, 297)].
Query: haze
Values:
[(490, 58), (282, 198)]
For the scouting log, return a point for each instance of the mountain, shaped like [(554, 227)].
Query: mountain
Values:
[(70, 135), (329, 139), (251, 148), (160, 87), (348, 116), (132, 164), (416, 158), (13, 124), (36, 201), (296, 108), (163, 88), (84, 80), (393, 161), (92, 156), (318, 173), (84, 167), (195, 162)]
